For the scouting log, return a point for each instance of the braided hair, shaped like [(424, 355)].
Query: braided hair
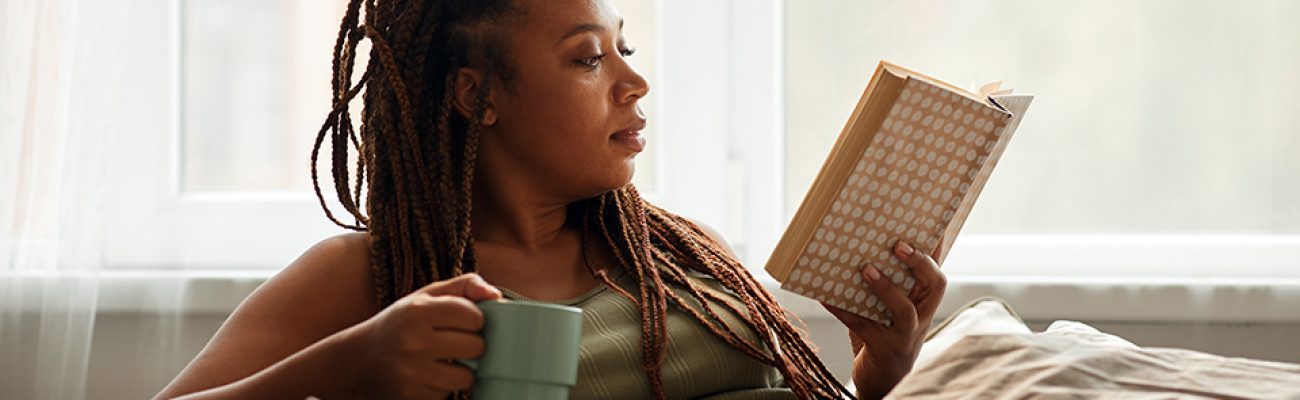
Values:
[(416, 160)]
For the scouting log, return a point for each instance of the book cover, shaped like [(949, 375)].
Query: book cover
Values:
[(908, 165)]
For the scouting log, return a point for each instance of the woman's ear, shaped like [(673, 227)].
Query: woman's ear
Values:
[(468, 86)]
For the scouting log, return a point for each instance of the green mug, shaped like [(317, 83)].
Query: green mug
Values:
[(531, 352)]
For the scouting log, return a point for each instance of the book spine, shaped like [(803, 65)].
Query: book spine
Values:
[(858, 133)]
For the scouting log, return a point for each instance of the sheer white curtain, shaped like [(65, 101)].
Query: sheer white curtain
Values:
[(57, 108)]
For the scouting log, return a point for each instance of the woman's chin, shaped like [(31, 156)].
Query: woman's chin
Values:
[(620, 180), (627, 176)]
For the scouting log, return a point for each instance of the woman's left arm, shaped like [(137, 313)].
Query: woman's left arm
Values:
[(884, 354)]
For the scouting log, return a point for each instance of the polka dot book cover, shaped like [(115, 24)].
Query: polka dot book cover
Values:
[(908, 165)]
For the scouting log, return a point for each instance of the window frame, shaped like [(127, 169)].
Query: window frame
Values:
[(156, 226), (726, 170)]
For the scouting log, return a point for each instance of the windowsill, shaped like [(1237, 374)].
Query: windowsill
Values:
[(1117, 299), (1035, 298)]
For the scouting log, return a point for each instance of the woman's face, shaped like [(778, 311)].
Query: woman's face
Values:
[(558, 126)]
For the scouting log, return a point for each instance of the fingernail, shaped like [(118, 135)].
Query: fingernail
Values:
[(873, 273), (906, 249)]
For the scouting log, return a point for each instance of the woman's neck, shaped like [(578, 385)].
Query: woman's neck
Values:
[(517, 215)]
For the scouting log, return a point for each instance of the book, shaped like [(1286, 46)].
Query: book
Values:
[(908, 165)]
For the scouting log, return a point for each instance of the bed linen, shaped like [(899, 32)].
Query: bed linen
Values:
[(1073, 360)]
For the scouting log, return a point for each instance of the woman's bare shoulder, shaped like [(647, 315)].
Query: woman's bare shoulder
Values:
[(349, 250), (338, 265), (325, 290)]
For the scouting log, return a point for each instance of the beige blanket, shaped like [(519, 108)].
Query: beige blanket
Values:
[(1073, 360)]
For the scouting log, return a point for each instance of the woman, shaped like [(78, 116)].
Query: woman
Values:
[(496, 149)]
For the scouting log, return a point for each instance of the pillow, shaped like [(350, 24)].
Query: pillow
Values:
[(982, 316), (1074, 360)]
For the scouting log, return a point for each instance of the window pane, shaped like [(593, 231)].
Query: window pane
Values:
[(255, 88), (256, 82), (1151, 116)]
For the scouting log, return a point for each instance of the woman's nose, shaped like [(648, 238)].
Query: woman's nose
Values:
[(632, 86)]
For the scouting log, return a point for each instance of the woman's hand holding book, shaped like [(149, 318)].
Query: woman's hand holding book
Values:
[(883, 354)]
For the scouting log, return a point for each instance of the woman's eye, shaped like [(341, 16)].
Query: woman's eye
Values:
[(594, 61), (591, 62)]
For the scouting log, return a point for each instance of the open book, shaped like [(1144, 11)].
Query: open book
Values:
[(908, 166)]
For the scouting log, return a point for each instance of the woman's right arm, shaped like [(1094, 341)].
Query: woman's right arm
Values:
[(316, 330)]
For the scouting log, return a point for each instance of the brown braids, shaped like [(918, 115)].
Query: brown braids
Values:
[(416, 161)]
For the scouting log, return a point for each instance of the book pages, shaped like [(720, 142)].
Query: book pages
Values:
[(907, 185)]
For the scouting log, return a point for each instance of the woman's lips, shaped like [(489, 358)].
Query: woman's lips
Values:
[(632, 139)]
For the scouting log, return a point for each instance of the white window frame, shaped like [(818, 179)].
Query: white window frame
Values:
[(720, 136), (156, 226), (721, 97)]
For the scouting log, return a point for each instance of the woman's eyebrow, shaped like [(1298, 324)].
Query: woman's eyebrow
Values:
[(587, 27)]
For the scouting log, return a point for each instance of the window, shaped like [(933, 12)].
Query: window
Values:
[(231, 94), (1162, 142), (1159, 144), (255, 87)]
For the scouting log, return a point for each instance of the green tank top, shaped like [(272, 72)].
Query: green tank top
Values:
[(697, 365)]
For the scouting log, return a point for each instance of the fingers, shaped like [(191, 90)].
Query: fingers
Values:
[(433, 369), (427, 378), (930, 282), (470, 286), (445, 376), (447, 312), (929, 305), (456, 345), (899, 306), (934, 285)]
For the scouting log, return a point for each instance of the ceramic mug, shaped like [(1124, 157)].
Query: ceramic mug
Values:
[(531, 351)]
